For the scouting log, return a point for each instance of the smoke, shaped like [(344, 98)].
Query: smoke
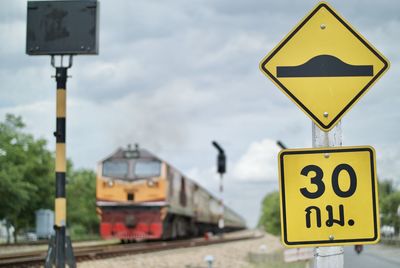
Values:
[(159, 119)]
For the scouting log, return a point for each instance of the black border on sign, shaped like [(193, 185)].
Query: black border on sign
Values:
[(355, 99), (328, 150)]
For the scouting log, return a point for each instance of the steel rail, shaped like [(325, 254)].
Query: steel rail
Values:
[(37, 258)]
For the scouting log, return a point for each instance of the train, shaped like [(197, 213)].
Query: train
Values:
[(142, 197)]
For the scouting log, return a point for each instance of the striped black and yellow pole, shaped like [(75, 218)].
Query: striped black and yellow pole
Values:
[(60, 249), (61, 166)]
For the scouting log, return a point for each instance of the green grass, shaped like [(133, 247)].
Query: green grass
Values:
[(86, 237)]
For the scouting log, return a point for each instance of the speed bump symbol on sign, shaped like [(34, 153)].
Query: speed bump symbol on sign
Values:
[(324, 66), (328, 196)]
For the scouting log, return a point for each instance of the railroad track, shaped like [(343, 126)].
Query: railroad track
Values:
[(36, 258), (30, 243)]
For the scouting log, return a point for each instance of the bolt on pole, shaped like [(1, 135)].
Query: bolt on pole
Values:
[(328, 257)]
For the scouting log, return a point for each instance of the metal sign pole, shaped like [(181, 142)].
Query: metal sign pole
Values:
[(328, 257), (60, 168), (60, 249)]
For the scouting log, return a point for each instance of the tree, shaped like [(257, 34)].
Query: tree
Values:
[(27, 182), (81, 190), (26, 174), (386, 187), (389, 199), (270, 218)]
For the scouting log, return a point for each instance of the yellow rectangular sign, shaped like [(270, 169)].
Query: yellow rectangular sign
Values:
[(328, 196)]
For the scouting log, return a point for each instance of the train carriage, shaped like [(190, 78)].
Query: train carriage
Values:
[(141, 197)]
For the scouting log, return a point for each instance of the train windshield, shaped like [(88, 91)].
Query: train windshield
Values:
[(115, 168), (147, 168)]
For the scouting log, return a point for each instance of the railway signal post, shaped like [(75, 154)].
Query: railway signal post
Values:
[(281, 145), (325, 66), (221, 169), (58, 29)]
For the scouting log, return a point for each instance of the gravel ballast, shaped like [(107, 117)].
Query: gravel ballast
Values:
[(229, 255)]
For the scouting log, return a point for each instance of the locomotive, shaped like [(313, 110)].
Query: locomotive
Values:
[(141, 197)]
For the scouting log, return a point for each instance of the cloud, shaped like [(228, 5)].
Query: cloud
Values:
[(36, 116), (259, 163)]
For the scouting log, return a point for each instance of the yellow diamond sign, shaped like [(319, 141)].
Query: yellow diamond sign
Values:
[(328, 196), (324, 66)]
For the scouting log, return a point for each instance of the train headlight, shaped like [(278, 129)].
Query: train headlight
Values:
[(110, 183), (151, 183)]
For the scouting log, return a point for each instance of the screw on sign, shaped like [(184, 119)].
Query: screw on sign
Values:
[(320, 202)]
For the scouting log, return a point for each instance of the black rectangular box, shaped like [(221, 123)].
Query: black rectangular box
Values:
[(62, 27)]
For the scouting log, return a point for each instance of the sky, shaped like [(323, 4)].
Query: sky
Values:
[(175, 75)]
